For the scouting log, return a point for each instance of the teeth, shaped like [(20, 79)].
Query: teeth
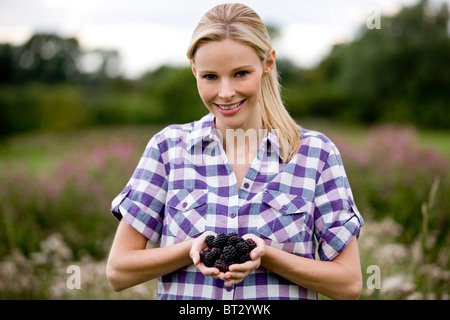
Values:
[(230, 107)]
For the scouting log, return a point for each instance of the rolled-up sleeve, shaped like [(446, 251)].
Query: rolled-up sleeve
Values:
[(141, 203), (337, 219)]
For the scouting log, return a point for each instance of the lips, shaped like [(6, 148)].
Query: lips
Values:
[(230, 109)]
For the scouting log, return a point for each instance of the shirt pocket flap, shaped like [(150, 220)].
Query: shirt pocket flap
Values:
[(186, 199), (286, 203)]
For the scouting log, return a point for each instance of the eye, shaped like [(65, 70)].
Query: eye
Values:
[(241, 74), (210, 77)]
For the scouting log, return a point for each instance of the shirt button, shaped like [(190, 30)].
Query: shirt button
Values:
[(246, 185), (233, 215), (184, 204), (229, 289), (284, 207)]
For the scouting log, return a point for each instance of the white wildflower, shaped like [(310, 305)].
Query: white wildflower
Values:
[(56, 245), (397, 285), (387, 228), (415, 296), (392, 253)]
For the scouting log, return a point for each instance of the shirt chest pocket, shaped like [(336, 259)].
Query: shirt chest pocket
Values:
[(284, 217), (186, 213)]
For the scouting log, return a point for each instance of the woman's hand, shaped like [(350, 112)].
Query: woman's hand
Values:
[(198, 245), (237, 272)]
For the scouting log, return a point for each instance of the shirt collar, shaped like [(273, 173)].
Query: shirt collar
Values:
[(205, 130), (202, 130), (273, 140)]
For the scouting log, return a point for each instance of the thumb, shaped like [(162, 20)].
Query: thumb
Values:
[(194, 256), (254, 255)]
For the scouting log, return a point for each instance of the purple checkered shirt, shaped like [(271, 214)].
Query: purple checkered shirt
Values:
[(184, 186)]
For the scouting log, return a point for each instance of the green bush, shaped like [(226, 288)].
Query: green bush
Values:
[(392, 174), (56, 191)]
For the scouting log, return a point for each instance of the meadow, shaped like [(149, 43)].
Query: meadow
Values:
[(56, 190)]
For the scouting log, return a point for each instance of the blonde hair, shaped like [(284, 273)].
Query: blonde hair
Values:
[(240, 23)]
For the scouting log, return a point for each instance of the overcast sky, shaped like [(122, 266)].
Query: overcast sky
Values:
[(150, 33)]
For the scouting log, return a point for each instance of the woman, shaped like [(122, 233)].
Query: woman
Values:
[(247, 168)]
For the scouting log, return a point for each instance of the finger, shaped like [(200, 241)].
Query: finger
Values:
[(197, 246), (212, 272), (255, 254), (232, 275), (195, 256), (245, 267), (258, 252), (230, 282), (235, 276)]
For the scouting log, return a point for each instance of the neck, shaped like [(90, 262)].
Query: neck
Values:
[(241, 143)]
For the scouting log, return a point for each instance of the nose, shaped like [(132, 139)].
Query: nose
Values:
[(227, 91)]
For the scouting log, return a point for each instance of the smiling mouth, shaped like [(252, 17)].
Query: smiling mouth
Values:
[(231, 106)]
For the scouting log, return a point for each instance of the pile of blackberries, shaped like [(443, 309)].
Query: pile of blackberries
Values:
[(226, 249)]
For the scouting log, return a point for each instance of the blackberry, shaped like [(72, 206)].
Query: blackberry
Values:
[(233, 240), (209, 259), (242, 247), (229, 254), (244, 258), (251, 244), (217, 252), (209, 240), (221, 240), (224, 250), (221, 265), (202, 255)]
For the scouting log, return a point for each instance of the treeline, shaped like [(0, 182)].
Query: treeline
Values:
[(399, 73)]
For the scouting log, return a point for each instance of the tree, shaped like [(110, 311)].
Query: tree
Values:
[(6, 63), (46, 58), (398, 73)]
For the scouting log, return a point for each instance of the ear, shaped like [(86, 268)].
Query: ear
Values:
[(194, 70), (270, 62)]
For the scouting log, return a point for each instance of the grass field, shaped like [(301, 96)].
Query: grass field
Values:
[(56, 190)]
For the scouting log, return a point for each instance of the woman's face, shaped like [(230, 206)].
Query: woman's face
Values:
[(229, 77)]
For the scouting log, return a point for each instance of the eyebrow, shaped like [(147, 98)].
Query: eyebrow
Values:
[(250, 66)]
